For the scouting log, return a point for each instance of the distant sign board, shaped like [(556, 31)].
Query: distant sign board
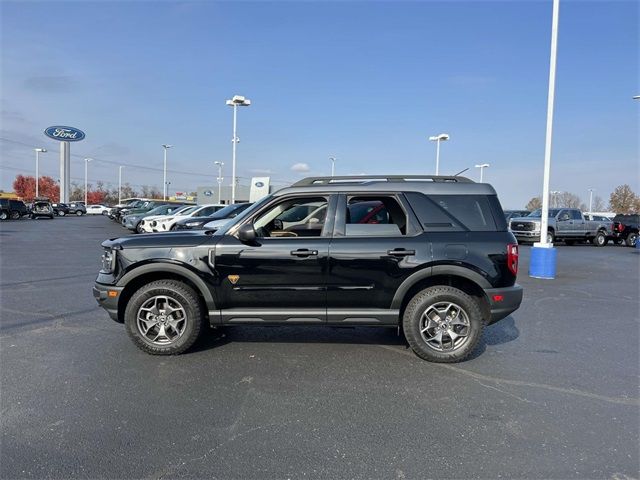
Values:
[(64, 134), (259, 188)]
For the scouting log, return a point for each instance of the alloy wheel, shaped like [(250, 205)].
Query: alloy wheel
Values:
[(445, 326), (161, 320)]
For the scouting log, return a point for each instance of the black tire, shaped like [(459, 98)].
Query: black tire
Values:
[(551, 237), (194, 319), (631, 239), (412, 323), (569, 242), (61, 213), (139, 228), (3, 215), (600, 240), (79, 213), (104, 212), (15, 215)]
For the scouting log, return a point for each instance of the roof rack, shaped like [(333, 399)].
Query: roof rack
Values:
[(387, 178)]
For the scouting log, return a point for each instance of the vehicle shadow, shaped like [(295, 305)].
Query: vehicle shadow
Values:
[(502, 332)]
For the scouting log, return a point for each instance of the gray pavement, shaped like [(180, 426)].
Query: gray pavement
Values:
[(551, 393)]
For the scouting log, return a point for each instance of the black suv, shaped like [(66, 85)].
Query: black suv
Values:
[(625, 229), (11, 208), (430, 254)]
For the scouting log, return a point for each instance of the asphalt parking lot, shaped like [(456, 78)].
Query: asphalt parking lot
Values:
[(552, 392)]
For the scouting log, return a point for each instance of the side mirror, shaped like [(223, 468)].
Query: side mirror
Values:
[(246, 233)]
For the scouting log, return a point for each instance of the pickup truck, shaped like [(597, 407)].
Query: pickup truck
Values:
[(567, 224)]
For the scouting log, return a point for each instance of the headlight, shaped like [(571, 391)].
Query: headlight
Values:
[(108, 261)]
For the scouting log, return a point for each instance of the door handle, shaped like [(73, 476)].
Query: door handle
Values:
[(304, 252), (400, 252)]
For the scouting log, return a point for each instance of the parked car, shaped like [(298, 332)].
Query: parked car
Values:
[(148, 223), (42, 207), (98, 210), (625, 229), (567, 224), (60, 209), (12, 208), (132, 221), (167, 223), (509, 214), (77, 208), (116, 211), (439, 262), (213, 221)]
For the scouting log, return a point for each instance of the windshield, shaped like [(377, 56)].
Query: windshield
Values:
[(244, 214), (183, 210), (229, 211), (538, 213)]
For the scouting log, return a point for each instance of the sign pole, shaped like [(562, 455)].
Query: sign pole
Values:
[(65, 171)]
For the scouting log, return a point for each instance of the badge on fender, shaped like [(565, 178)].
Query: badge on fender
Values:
[(233, 279)]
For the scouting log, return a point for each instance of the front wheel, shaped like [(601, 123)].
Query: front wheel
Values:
[(164, 317), (79, 213), (550, 237), (600, 240), (61, 213), (631, 239), (15, 215), (442, 324), (4, 215)]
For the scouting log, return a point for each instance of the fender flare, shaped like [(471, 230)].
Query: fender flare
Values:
[(166, 267), (433, 271)]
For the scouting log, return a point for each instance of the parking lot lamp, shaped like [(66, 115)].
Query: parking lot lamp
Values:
[(38, 152), (220, 165), (164, 171), (590, 199), (120, 184), (543, 255), (443, 137), (86, 169), (235, 102), (482, 167), (332, 159)]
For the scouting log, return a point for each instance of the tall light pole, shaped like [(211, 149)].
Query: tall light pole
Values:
[(590, 198), (86, 168), (164, 170), (332, 159), (38, 152), (443, 137), (235, 102), (554, 201), (482, 166), (120, 184), (220, 165)]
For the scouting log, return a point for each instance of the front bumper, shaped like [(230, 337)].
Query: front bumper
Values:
[(109, 303), (503, 301), (527, 236)]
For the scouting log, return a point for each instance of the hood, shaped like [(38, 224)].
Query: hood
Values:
[(186, 238), (217, 223), (182, 221), (525, 219)]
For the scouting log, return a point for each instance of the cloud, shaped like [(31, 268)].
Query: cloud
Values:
[(300, 167), (52, 83)]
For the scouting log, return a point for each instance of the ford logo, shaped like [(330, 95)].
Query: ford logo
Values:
[(208, 193), (259, 184), (64, 134)]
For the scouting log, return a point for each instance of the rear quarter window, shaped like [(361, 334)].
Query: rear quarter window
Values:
[(451, 213)]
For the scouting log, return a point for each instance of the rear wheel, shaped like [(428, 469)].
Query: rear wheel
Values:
[(550, 237), (104, 212), (443, 324), (631, 239), (164, 317), (61, 213), (600, 240), (4, 215), (79, 213), (15, 215)]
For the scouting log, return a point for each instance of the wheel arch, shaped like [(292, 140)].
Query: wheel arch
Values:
[(462, 278), (133, 280)]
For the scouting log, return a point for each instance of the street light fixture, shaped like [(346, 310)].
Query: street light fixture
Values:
[(164, 176), (333, 165), (120, 184), (220, 165), (38, 152), (86, 168), (482, 166), (443, 137), (235, 102)]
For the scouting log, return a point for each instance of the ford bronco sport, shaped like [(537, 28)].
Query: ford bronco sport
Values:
[(430, 254)]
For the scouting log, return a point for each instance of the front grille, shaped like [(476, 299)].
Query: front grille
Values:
[(523, 226)]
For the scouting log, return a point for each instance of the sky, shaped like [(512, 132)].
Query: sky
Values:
[(365, 81)]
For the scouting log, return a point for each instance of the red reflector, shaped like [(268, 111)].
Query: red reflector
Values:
[(498, 298)]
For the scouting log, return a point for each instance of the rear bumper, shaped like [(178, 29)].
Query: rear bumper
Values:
[(110, 304), (503, 301)]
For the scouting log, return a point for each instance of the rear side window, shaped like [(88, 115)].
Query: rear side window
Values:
[(452, 213)]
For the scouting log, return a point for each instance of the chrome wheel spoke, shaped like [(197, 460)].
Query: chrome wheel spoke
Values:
[(161, 320), (445, 326)]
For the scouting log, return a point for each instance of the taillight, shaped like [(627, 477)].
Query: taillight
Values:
[(620, 227), (512, 258)]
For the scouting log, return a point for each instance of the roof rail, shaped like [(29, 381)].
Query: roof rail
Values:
[(387, 178)]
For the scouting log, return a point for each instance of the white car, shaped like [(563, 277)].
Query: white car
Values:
[(167, 223), (148, 224), (98, 210)]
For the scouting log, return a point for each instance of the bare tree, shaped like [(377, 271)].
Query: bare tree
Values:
[(569, 200), (598, 204), (624, 200), (534, 204)]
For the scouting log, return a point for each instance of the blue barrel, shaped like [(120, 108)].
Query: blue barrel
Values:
[(543, 262)]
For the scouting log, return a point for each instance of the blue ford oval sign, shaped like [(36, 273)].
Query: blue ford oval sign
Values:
[(64, 134), (259, 184)]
